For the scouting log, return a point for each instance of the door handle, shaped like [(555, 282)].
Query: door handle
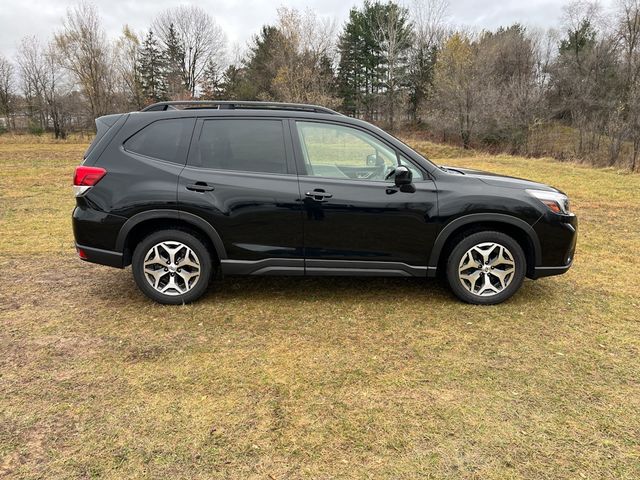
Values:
[(319, 195), (199, 187)]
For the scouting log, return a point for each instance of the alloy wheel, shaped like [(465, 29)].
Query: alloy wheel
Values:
[(171, 268), (486, 269)]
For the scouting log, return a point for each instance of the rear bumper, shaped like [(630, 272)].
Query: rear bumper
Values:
[(101, 257), (94, 228), (95, 234)]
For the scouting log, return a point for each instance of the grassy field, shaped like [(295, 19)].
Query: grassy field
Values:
[(316, 378)]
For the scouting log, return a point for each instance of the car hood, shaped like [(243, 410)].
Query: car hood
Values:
[(500, 180)]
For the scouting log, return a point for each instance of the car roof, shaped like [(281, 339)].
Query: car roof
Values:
[(212, 112), (235, 105)]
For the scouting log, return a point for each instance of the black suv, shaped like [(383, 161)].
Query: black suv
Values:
[(182, 189)]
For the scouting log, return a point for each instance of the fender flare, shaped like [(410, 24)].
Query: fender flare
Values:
[(169, 214), (452, 226)]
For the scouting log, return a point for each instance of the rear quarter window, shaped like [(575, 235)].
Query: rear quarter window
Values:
[(165, 140)]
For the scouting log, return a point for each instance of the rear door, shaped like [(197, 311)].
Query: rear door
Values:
[(354, 218), (241, 177)]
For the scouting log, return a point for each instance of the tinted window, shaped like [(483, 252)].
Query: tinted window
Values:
[(245, 145), (165, 139)]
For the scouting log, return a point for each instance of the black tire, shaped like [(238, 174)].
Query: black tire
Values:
[(513, 281), (199, 285)]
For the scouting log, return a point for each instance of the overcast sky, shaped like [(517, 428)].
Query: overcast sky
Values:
[(242, 18)]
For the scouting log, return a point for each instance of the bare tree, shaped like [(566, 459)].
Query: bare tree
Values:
[(7, 90), (86, 54), (456, 98), (506, 62), (201, 38), (56, 90), (583, 78), (44, 84), (428, 18), (545, 46), (303, 65), (629, 33), (309, 32), (126, 59), (33, 77)]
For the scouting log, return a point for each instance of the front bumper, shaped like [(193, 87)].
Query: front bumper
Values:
[(558, 237), (540, 272)]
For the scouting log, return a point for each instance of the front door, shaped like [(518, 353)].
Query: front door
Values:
[(355, 219), (241, 178)]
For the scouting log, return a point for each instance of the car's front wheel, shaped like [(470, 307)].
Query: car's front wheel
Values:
[(172, 267), (486, 268)]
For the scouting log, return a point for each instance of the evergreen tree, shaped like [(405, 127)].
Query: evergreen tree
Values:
[(264, 61), (392, 34), (373, 47), (351, 69), (579, 39), (358, 71), (176, 69), (152, 67), (420, 76), (234, 84), (211, 82)]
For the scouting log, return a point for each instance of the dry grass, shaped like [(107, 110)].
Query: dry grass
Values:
[(315, 378), (46, 138), (562, 141)]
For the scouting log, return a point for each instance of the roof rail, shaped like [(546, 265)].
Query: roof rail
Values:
[(234, 105)]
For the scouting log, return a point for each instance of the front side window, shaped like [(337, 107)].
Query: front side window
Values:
[(242, 145), (336, 151), (164, 139)]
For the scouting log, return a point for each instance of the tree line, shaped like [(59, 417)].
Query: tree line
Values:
[(567, 92)]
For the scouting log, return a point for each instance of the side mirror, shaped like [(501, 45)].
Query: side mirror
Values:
[(402, 176)]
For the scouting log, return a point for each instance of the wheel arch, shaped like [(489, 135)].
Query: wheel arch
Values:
[(141, 224), (518, 229)]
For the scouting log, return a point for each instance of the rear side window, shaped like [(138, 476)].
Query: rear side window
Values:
[(164, 139), (242, 145)]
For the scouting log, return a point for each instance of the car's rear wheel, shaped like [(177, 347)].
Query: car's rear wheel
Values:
[(486, 268), (172, 267)]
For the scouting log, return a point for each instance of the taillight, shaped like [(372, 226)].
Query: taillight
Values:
[(86, 177)]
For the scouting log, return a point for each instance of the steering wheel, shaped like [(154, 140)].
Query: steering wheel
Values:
[(390, 171)]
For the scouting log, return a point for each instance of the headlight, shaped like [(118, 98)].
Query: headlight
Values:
[(556, 202)]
